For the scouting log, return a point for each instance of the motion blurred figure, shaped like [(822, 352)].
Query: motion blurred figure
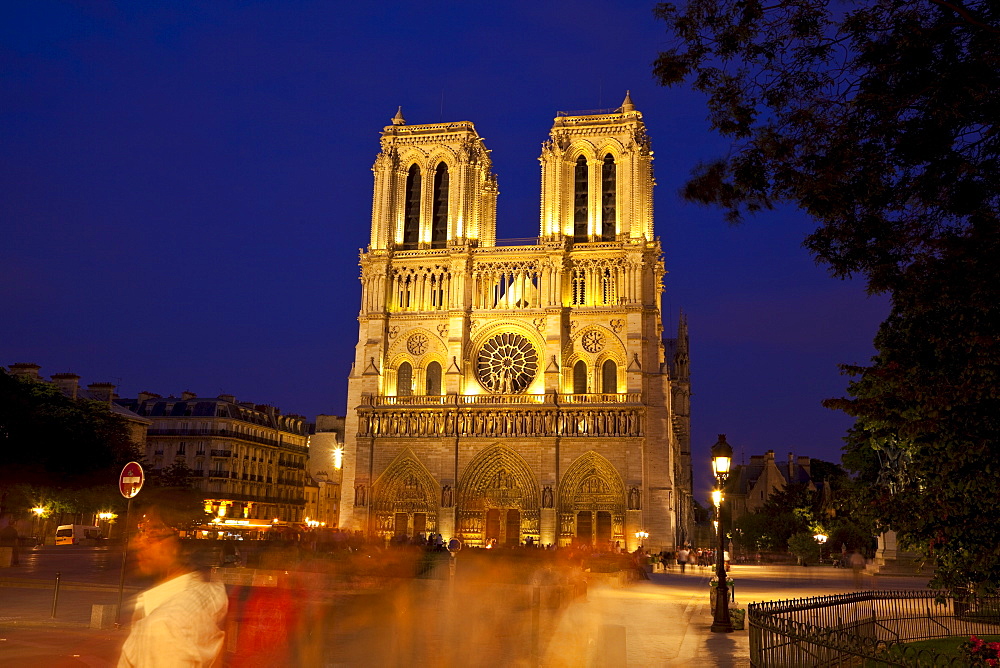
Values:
[(178, 621), (857, 565)]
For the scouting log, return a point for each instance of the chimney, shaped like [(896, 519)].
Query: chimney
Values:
[(187, 395), (146, 396), (102, 391), (769, 456), (26, 369), (68, 383), (805, 464), (227, 397), (792, 477)]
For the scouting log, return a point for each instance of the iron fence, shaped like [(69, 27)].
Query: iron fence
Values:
[(865, 628)]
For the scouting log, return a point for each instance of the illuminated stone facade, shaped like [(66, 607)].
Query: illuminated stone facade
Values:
[(503, 391)]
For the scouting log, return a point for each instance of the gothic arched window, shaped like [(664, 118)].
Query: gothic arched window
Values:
[(433, 376), (609, 377), (411, 209), (439, 221), (608, 188), (404, 380), (580, 195), (580, 377)]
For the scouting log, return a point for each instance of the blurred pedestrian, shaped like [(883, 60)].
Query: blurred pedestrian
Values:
[(9, 538), (682, 557), (857, 565), (178, 621)]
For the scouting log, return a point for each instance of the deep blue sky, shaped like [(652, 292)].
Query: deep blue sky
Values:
[(184, 187)]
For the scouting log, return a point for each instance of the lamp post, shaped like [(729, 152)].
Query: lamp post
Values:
[(820, 538), (39, 512), (722, 459), (641, 536)]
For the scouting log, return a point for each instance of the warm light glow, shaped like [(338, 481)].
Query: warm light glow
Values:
[(820, 538), (338, 458), (715, 523), (721, 465), (717, 497), (107, 516), (722, 458), (39, 511)]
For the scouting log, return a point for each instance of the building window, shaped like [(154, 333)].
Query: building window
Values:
[(579, 287), (608, 187), (609, 377), (181, 448), (580, 377), (411, 209), (439, 222), (433, 378), (404, 380), (580, 194)]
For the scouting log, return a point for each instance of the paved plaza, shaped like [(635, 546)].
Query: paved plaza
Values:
[(660, 622)]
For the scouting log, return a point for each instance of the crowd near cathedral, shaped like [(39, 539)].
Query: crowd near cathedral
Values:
[(511, 392)]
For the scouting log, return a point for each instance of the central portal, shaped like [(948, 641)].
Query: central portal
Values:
[(498, 500)]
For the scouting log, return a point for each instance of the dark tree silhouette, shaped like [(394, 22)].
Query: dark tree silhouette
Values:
[(878, 120)]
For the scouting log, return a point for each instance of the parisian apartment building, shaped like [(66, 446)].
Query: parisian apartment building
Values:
[(249, 460)]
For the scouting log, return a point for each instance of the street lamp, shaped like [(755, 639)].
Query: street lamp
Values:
[(39, 512), (641, 536), (722, 459), (820, 538)]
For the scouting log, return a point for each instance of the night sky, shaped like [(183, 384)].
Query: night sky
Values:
[(186, 185)]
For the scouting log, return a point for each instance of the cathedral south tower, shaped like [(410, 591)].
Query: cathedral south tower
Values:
[(502, 390)]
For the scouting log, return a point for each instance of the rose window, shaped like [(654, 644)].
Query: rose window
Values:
[(507, 364), (593, 341), (416, 344)]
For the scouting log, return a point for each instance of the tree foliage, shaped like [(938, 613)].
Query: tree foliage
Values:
[(878, 120), (52, 442)]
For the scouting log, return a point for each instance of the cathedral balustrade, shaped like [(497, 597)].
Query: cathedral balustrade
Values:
[(551, 399), (388, 422)]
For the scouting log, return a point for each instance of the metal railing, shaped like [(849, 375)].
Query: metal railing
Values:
[(865, 626)]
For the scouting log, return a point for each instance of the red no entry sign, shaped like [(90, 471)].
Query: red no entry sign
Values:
[(131, 479)]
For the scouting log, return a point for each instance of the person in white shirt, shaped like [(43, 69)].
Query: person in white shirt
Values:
[(178, 621)]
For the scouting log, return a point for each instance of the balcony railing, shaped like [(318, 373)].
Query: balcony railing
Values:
[(229, 433)]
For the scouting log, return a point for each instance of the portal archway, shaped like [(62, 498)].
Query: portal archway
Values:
[(592, 503), (498, 499), (404, 499)]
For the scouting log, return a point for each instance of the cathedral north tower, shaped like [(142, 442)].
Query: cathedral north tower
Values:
[(502, 390)]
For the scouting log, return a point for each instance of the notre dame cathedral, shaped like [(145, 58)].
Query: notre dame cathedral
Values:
[(512, 390)]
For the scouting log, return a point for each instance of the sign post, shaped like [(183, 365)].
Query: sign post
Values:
[(129, 483)]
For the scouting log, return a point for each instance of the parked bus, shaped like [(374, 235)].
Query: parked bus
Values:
[(77, 534)]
